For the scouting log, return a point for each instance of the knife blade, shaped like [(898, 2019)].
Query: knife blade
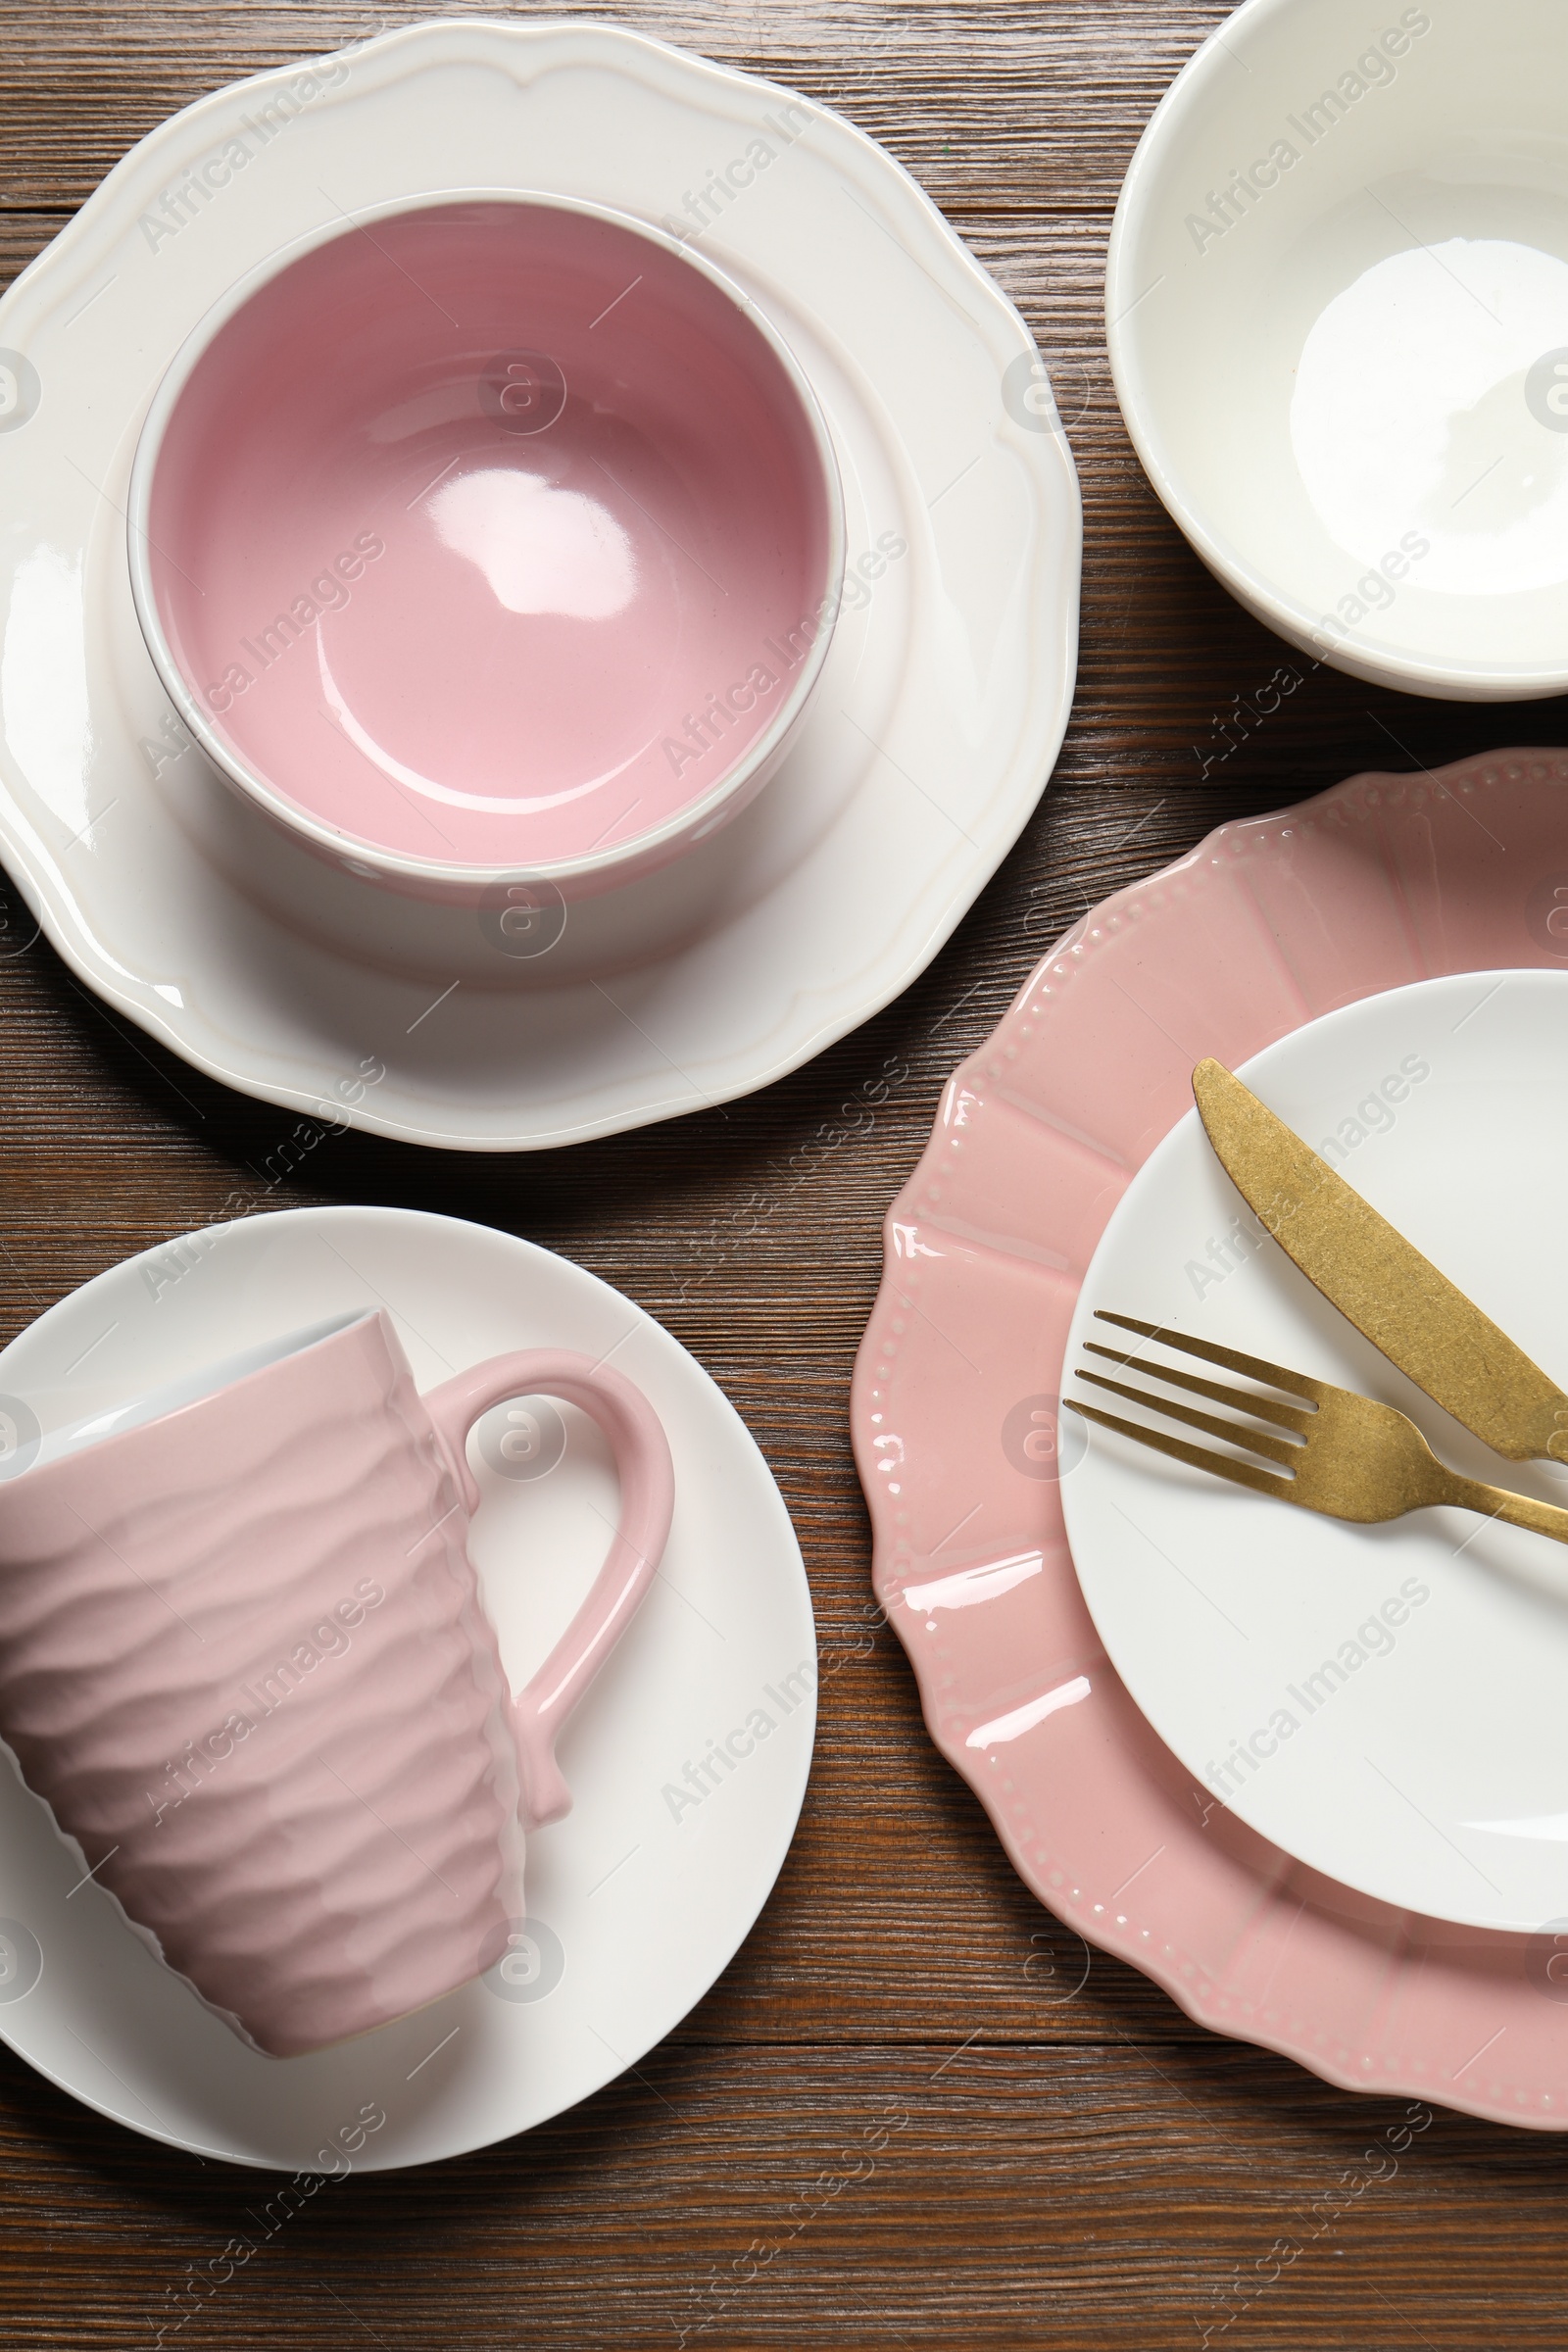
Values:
[(1379, 1280)]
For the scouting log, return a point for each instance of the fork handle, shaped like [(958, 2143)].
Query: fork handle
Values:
[(1513, 1510)]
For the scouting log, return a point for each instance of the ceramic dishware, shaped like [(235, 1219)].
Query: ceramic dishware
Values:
[(244, 1660), (1269, 922), (638, 1900), (1336, 295), (487, 535), (203, 922), (1379, 1700)]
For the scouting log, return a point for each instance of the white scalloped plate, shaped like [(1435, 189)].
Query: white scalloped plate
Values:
[(938, 718)]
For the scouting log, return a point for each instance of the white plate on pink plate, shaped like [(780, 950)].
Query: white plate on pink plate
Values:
[(936, 721), (639, 1898), (1384, 1702), (1268, 924)]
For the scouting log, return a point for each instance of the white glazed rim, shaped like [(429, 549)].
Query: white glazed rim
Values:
[(397, 864), (1185, 99)]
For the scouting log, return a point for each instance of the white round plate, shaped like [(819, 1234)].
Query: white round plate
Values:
[(936, 722), (644, 1892), (1387, 1703), (1337, 300)]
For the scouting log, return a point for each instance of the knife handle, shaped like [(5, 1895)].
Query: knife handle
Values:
[(1514, 1510)]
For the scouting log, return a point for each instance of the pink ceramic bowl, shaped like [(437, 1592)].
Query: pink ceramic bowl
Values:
[(488, 535)]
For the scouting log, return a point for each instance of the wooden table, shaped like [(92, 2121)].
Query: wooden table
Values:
[(1076, 2165)]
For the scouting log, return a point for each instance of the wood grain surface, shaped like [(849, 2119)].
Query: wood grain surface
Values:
[(1067, 2161)]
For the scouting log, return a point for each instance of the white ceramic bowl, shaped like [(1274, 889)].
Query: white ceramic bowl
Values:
[(1337, 303)]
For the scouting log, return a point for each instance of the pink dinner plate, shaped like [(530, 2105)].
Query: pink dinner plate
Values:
[(1268, 923)]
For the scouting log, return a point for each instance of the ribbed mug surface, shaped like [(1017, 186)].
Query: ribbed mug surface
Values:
[(244, 1660)]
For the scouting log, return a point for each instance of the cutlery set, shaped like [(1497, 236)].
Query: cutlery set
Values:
[(1346, 1455)]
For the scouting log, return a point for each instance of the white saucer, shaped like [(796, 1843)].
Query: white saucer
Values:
[(1387, 1703), (638, 1899), (938, 717)]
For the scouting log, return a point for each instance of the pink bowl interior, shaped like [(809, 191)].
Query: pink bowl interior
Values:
[(485, 533)]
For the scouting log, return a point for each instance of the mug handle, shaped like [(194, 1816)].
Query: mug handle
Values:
[(647, 1502)]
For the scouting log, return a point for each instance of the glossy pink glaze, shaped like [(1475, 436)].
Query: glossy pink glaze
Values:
[(465, 517), (287, 1554), (1269, 923)]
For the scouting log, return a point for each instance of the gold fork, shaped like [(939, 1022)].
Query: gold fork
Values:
[(1344, 1455)]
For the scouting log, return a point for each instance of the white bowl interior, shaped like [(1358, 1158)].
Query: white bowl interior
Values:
[(1338, 306)]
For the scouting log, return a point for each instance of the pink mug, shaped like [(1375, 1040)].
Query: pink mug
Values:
[(244, 1660)]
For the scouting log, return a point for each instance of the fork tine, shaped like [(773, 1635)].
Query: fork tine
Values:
[(1253, 1367), (1253, 1440), (1240, 1473), (1265, 1408)]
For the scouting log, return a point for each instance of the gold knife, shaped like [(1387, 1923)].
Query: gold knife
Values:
[(1380, 1281)]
